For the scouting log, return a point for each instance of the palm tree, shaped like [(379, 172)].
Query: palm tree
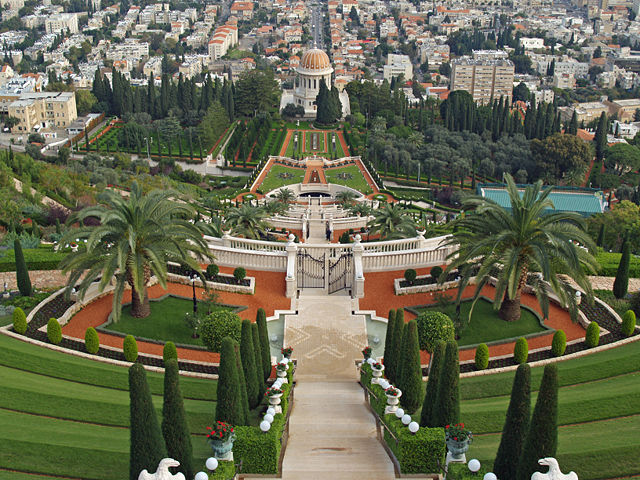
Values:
[(285, 195), (275, 207), (213, 228), (510, 243), (247, 221), (345, 197), (134, 240), (391, 222), (360, 209)]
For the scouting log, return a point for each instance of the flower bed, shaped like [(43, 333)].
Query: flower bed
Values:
[(424, 283), (221, 281)]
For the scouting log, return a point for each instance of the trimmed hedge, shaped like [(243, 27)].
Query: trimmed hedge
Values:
[(130, 348), (218, 325), (482, 356), (19, 321), (239, 273), (559, 343), (91, 341), (592, 337), (521, 351), (169, 352), (41, 258), (410, 275), (460, 471), (54, 331), (432, 327), (628, 323), (609, 263), (421, 452)]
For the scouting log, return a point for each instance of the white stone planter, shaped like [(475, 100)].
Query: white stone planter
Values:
[(274, 402), (377, 374), (282, 375), (392, 403)]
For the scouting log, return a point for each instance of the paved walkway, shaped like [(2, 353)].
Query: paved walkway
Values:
[(331, 431)]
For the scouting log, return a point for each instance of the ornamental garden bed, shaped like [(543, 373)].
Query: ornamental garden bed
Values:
[(424, 283)]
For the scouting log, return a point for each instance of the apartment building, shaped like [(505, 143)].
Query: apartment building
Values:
[(44, 110), (61, 22), (223, 38), (486, 79), (132, 50), (242, 10), (398, 65)]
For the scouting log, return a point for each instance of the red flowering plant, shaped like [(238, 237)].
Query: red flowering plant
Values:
[(287, 351), (281, 367), (220, 432), (457, 433), (366, 351), (271, 391), (392, 391), (376, 366)]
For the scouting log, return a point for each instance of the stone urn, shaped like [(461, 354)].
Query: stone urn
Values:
[(282, 374), (458, 448), (274, 402), (392, 402), (377, 373), (222, 449)]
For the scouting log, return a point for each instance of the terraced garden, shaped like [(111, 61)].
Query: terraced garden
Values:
[(349, 176), (598, 414), (68, 416), (279, 176)]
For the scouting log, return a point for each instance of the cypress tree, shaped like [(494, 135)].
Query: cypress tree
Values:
[(389, 356), (175, 427), (402, 336), (397, 343), (542, 438), (244, 403), (247, 354), (600, 137), (621, 283), (600, 241), (447, 407), (573, 124), (516, 424), (257, 348), (22, 273), (427, 418), (261, 321), (146, 443), (229, 406), (411, 370)]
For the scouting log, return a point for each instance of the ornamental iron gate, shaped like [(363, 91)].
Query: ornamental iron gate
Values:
[(310, 270), (340, 272)]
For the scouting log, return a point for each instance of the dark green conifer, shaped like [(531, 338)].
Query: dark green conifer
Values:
[(427, 417), (447, 408), (247, 353), (229, 407), (389, 354), (261, 321), (411, 370)]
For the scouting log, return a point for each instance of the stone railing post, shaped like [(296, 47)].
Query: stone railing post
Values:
[(292, 251), (226, 239), (358, 273)]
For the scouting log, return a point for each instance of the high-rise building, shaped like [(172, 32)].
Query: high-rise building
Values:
[(486, 79)]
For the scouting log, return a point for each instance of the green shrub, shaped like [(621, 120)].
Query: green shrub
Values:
[(41, 258), (432, 327), (169, 352), (247, 353), (130, 348), (447, 406), (436, 272), (218, 325), (261, 321), (212, 270), (397, 344), (482, 356), (621, 282), (634, 303), (389, 354), (422, 452), (460, 471), (592, 337), (609, 263), (242, 386), (410, 275), (627, 328), (19, 321), (54, 331), (91, 341), (521, 351), (22, 273), (411, 385), (257, 351), (427, 415), (27, 303), (239, 273), (229, 405), (559, 343)]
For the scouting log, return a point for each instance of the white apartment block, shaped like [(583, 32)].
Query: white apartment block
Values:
[(484, 79), (44, 110), (223, 38), (398, 65), (532, 43), (578, 69), (61, 22), (131, 50)]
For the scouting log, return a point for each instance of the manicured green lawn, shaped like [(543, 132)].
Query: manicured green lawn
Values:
[(349, 176), (485, 325), (165, 323), (273, 179), (309, 142)]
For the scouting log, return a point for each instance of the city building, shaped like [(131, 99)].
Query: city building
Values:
[(242, 10), (625, 110), (44, 110), (485, 78), (61, 22), (223, 39), (398, 65)]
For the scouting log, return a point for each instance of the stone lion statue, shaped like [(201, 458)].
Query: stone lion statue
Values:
[(554, 472), (163, 473)]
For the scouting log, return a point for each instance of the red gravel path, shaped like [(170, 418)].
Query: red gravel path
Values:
[(285, 144), (380, 296), (270, 295), (345, 149)]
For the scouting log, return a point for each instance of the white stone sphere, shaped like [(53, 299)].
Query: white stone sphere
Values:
[(406, 419), (201, 476), (268, 418), (399, 413), (413, 427), (370, 361), (212, 463), (271, 411), (383, 383), (490, 476), (284, 360), (265, 426), (474, 465)]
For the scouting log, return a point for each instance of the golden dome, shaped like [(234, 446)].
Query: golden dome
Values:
[(315, 60)]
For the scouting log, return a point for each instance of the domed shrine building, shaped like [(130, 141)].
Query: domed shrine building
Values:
[(314, 67)]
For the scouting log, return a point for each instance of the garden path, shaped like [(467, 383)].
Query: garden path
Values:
[(332, 434)]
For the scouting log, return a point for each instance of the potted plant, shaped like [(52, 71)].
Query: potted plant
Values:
[(376, 369), (393, 395), (74, 246), (366, 352), (274, 395), (287, 351), (458, 440), (220, 438), (281, 371)]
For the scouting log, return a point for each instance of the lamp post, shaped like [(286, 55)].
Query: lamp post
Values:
[(194, 277)]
